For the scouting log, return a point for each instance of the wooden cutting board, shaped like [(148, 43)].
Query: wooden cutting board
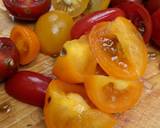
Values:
[(146, 113)]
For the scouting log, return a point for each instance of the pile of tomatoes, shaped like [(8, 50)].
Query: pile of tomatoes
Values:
[(100, 47)]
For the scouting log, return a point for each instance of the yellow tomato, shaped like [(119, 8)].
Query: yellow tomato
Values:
[(53, 29)]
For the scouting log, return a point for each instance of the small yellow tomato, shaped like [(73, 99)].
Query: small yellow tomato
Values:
[(53, 29)]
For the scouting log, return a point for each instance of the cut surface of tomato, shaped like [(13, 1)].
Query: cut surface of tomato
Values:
[(120, 52), (112, 95), (26, 42), (72, 7)]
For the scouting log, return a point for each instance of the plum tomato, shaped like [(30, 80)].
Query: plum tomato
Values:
[(97, 5), (152, 5), (112, 95), (140, 18), (85, 24), (28, 87), (28, 10), (156, 27), (9, 58), (53, 29), (117, 2), (121, 53), (72, 7)]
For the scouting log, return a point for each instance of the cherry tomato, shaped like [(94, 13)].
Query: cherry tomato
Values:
[(97, 5), (111, 95), (9, 58), (28, 87), (26, 42), (156, 27), (139, 17), (27, 9), (117, 2), (152, 5), (70, 110), (120, 52), (85, 24), (75, 62), (72, 7), (53, 29)]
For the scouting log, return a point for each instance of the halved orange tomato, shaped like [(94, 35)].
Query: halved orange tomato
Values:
[(75, 62), (119, 48), (112, 95), (26, 42)]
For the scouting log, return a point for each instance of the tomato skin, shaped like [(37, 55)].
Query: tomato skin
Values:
[(85, 24), (152, 5), (116, 2), (53, 30), (28, 87), (9, 58), (156, 27), (140, 17), (27, 11)]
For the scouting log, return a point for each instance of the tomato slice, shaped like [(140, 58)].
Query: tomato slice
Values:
[(26, 42), (75, 62), (112, 95), (96, 5), (140, 17), (120, 52), (72, 7)]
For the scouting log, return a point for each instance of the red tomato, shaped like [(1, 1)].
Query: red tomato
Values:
[(27, 9), (85, 24), (140, 17), (156, 27), (152, 5), (9, 58), (28, 87), (116, 2)]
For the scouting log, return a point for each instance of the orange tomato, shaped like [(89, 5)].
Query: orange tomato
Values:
[(65, 108), (26, 42), (119, 48), (112, 95), (75, 62)]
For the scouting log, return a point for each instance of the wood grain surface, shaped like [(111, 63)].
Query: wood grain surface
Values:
[(146, 113)]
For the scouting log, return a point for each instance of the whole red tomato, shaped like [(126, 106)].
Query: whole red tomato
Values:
[(9, 58), (156, 27), (116, 2), (27, 9), (28, 87)]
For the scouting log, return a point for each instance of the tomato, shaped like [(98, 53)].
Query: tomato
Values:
[(96, 5), (85, 24), (156, 27), (28, 87), (112, 95), (72, 7), (26, 42), (28, 10), (117, 2), (9, 58), (139, 17), (152, 5), (75, 61), (53, 29), (120, 52), (70, 110)]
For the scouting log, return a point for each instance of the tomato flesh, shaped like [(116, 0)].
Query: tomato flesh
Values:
[(112, 95), (120, 52)]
